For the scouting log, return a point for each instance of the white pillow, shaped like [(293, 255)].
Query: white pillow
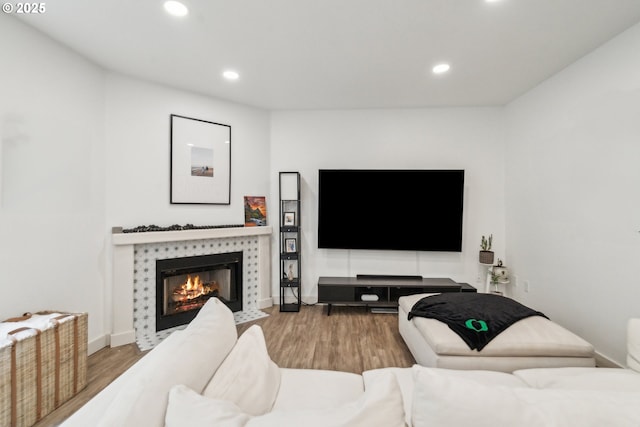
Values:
[(187, 408), (247, 377), (192, 359), (379, 406), (452, 401)]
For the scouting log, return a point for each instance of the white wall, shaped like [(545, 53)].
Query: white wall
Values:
[(573, 194), (470, 139), (52, 211), (83, 150), (138, 156), (138, 153)]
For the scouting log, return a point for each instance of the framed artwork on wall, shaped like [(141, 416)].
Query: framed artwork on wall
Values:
[(200, 168)]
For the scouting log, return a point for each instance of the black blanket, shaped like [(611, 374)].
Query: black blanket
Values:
[(477, 318)]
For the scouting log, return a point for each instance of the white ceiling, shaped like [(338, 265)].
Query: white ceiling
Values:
[(335, 54)]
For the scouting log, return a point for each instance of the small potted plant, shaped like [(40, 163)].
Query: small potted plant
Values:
[(486, 254), (495, 280)]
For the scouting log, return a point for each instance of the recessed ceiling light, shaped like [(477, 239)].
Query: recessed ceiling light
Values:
[(231, 75), (492, 1), (441, 68), (175, 8)]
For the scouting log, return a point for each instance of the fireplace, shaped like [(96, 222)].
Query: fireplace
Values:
[(183, 286)]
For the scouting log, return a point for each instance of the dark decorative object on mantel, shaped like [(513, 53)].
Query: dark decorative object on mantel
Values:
[(176, 227)]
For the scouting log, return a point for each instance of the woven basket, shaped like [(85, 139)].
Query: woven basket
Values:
[(40, 372), (486, 257)]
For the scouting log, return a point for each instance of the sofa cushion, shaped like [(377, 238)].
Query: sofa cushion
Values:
[(126, 383), (406, 381), (321, 389), (379, 406), (196, 354), (441, 399), (247, 377), (404, 376), (581, 378)]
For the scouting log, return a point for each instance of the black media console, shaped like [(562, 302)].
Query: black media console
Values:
[(381, 291)]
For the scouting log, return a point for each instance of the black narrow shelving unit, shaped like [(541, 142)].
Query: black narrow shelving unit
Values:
[(290, 260)]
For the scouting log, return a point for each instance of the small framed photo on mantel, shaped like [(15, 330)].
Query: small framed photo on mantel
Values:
[(289, 219)]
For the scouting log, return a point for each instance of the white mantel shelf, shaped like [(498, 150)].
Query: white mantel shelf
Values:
[(175, 236), (122, 328)]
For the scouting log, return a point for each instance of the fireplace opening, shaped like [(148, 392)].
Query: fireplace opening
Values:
[(183, 286)]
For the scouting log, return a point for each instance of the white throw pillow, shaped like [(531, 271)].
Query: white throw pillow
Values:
[(247, 377), (187, 408), (191, 360), (445, 400), (379, 406)]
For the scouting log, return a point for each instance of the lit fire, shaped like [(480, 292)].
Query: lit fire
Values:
[(192, 289)]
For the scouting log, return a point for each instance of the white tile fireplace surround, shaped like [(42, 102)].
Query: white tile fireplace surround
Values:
[(134, 255)]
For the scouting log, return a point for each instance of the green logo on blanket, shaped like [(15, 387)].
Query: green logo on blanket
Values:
[(470, 324)]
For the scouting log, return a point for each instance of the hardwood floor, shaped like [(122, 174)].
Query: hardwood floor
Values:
[(351, 340)]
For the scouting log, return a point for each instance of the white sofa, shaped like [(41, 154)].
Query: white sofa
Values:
[(206, 376)]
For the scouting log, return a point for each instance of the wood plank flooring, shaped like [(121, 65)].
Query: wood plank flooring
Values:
[(351, 340)]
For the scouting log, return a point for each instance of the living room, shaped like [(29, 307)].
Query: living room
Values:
[(550, 174)]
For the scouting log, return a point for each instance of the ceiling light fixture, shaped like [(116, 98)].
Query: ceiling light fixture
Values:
[(175, 8), (231, 75), (441, 68)]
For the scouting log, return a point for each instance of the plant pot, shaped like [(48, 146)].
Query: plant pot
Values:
[(486, 257)]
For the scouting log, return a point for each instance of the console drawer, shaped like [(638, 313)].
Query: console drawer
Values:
[(335, 293)]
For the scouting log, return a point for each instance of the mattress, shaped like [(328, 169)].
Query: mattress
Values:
[(534, 342)]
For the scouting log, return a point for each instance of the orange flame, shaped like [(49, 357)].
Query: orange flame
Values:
[(191, 289)]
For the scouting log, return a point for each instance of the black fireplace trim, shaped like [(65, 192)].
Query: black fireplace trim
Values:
[(186, 264)]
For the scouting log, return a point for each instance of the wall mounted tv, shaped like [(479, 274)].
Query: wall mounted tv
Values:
[(413, 210)]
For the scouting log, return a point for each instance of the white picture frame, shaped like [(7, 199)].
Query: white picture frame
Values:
[(200, 165)]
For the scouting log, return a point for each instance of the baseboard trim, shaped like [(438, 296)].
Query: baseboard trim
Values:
[(310, 300), (97, 344), (123, 338), (265, 303)]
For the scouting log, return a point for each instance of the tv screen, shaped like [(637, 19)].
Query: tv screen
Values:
[(414, 210)]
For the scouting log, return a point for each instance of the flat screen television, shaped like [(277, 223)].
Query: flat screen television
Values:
[(413, 210)]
